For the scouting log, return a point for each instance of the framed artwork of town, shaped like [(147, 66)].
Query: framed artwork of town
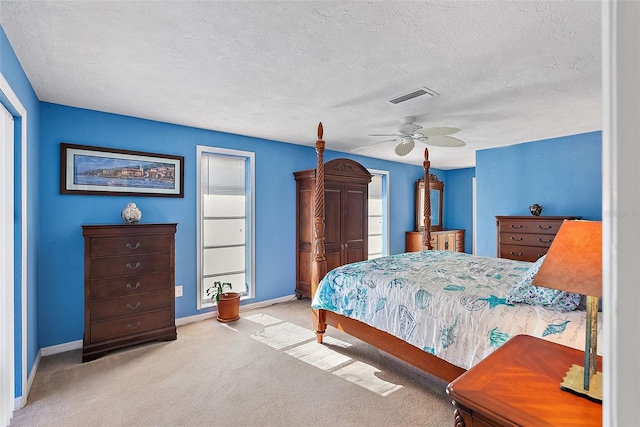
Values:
[(108, 171)]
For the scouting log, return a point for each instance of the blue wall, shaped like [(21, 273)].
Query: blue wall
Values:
[(562, 174), (61, 244), (458, 203), (14, 75)]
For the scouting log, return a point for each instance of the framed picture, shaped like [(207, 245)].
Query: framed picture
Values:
[(108, 171)]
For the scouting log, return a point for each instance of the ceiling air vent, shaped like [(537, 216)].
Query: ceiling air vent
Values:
[(413, 94)]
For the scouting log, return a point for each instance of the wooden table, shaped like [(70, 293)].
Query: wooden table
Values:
[(519, 385)]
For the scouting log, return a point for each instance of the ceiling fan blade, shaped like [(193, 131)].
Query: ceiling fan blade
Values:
[(442, 141), (405, 148), (439, 131), (364, 147), (385, 134), (386, 140)]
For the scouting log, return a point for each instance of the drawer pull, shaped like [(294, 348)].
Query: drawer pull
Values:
[(129, 306), (133, 267), (516, 239), (516, 254), (136, 286), (545, 228), (516, 226), (133, 247), (130, 326), (545, 241)]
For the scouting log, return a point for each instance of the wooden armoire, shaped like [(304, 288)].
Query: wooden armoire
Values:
[(346, 218)]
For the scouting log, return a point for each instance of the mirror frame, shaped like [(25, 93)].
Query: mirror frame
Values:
[(435, 186)]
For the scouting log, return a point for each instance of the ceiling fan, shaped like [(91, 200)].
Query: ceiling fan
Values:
[(409, 132)]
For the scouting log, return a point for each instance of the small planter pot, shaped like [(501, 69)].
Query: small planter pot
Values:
[(229, 307)]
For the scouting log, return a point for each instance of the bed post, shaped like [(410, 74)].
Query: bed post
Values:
[(426, 239), (319, 264)]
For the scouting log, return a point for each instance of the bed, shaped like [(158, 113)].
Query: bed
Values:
[(439, 311)]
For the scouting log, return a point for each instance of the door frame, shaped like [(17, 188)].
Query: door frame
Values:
[(16, 108)]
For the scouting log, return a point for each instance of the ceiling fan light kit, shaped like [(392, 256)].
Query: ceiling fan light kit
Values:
[(408, 132), (407, 140), (405, 148)]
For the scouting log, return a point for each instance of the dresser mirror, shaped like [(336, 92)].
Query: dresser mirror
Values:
[(436, 189)]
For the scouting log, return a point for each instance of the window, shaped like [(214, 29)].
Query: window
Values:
[(378, 214), (225, 223)]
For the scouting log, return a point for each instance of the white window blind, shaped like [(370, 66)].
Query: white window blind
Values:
[(226, 204), (378, 217)]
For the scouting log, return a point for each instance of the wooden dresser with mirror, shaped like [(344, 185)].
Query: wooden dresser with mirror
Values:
[(441, 239)]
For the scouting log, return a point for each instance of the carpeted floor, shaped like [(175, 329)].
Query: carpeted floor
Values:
[(263, 370)]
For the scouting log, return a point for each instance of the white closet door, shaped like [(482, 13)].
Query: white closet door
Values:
[(7, 374)]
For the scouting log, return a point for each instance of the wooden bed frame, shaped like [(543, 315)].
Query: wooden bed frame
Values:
[(382, 340)]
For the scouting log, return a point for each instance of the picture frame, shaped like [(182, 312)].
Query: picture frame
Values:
[(92, 170)]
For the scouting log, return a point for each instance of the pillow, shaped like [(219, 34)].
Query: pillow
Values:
[(552, 299)]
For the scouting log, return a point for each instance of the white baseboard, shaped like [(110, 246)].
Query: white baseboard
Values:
[(245, 307), (267, 303), (61, 348), (21, 401)]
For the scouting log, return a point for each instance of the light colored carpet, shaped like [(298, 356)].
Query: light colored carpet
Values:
[(262, 370)]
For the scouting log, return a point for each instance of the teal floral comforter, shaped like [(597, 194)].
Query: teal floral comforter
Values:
[(450, 304)]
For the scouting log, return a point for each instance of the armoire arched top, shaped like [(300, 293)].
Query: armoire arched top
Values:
[(340, 170)]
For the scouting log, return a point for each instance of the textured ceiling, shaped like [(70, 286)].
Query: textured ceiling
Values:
[(506, 71)]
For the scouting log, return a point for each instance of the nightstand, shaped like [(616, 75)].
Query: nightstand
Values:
[(519, 385)]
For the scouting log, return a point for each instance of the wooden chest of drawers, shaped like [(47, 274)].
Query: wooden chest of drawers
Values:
[(526, 238), (129, 286), (445, 240)]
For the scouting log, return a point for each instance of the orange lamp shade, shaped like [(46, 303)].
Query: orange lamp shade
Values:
[(574, 260)]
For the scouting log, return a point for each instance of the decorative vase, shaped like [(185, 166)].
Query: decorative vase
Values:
[(535, 209), (229, 307), (131, 214)]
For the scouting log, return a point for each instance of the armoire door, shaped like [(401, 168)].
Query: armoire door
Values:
[(346, 224), (333, 219), (355, 224)]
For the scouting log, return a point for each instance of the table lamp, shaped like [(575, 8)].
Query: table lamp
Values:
[(574, 264)]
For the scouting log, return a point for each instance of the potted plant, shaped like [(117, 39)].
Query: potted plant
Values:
[(228, 302)]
